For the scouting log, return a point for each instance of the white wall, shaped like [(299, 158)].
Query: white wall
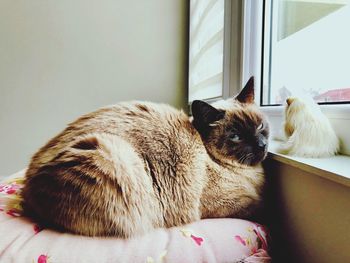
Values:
[(59, 59), (309, 216)]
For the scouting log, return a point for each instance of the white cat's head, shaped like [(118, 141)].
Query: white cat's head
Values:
[(305, 105)]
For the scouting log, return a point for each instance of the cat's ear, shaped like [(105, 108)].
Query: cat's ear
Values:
[(204, 114), (247, 93)]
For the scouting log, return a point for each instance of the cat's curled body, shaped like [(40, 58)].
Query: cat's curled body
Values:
[(132, 167)]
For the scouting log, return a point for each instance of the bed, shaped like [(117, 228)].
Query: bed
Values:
[(209, 240)]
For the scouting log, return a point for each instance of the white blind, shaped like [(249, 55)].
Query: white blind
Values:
[(206, 49)]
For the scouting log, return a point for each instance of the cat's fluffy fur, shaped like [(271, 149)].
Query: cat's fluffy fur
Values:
[(132, 167), (308, 131)]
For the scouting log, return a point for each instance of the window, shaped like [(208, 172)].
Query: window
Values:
[(289, 46), (306, 50), (305, 47)]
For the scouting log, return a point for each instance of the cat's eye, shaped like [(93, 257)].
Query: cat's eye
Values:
[(235, 138), (260, 127)]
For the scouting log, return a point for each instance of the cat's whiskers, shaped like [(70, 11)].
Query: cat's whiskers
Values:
[(250, 156), (241, 159), (246, 158)]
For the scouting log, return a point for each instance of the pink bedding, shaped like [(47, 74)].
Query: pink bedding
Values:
[(210, 240)]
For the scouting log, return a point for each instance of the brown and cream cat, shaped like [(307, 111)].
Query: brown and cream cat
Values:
[(126, 169)]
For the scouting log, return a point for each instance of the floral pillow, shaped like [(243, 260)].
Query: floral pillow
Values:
[(210, 240)]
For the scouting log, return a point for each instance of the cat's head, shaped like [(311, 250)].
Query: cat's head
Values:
[(234, 130), (301, 105)]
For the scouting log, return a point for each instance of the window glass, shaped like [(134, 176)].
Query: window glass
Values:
[(307, 50), (206, 49)]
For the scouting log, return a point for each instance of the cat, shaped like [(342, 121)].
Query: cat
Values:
[(308, 131), (126, 169)]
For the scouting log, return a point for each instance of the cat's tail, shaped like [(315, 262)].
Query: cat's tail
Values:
[(310, 143), (297, 144), (286, 147)]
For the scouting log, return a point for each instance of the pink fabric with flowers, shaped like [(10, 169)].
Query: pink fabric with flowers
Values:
[(210, 240)]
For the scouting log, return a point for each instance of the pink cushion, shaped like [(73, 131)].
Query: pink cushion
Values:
[(210, 240)]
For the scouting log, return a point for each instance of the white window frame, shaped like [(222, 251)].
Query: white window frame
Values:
[(233, 41), (252, 53)]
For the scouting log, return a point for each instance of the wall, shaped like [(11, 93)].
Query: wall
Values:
[(59, 59), (308, 216), (296, 15)]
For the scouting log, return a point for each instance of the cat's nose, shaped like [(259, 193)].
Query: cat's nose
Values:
[(262, 145)]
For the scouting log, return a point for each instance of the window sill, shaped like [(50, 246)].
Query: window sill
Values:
[(336, 168)]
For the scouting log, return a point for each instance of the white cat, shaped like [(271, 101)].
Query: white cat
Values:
[(309, 132)]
